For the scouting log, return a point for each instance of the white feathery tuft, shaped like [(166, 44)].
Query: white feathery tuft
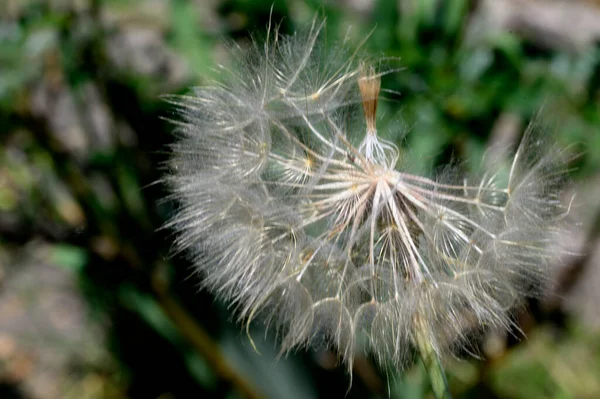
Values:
[(329, 240)]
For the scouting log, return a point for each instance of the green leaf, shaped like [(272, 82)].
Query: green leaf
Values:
[(68, 257)]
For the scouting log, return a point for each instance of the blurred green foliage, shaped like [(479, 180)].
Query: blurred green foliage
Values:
[(83, 143)]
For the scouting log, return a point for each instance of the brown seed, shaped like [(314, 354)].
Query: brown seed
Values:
[(369, 84)]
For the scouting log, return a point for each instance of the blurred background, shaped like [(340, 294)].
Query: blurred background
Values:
[(92, 302)]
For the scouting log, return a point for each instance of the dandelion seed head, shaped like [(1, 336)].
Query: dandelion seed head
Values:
[(326, 238)]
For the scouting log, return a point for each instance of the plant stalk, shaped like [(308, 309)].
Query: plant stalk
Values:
[(431, 361)]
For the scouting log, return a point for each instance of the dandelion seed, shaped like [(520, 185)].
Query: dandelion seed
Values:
[(328, 238)]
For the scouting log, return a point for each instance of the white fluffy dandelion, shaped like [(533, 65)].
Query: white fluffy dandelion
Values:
[(304, 218)]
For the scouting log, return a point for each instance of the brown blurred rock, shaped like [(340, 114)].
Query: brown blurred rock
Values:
[(142, 51), (55, 104), (78, 119), (154, 14), (583, 297), (50, 346), (578, 291), (555, 24)]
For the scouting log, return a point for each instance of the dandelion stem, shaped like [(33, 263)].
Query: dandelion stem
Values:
[(199, 338), (431, 361)]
